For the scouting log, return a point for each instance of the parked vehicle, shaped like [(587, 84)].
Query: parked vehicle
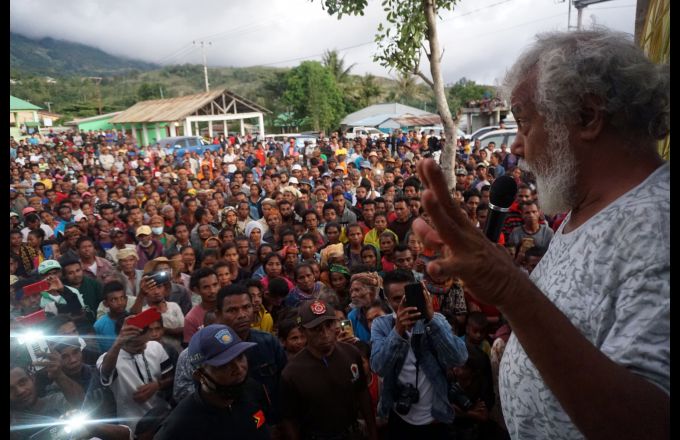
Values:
[(371, 132), (180, 145), (438, 130), (300, 140), (504, 136), (484, 130)]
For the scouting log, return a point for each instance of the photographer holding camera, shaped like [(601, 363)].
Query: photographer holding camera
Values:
[(412, 352)]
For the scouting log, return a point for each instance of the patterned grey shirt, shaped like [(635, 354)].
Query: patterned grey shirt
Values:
[(611, 278)]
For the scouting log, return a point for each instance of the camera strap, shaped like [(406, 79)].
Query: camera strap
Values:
[(415, 346), (139, 372)]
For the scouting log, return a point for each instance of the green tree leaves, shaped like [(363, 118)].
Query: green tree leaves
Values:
[(312, 91), (465, 91)]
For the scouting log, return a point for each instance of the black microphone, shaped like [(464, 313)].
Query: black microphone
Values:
[(501, 196)]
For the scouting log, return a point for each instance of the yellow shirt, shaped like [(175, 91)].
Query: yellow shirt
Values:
[(373, 238), (265, 322)]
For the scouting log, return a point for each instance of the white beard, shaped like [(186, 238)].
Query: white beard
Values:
[(555, 173)]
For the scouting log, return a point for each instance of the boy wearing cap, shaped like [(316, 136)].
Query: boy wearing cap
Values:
[(227, 400), (58, 299), (323, 387)]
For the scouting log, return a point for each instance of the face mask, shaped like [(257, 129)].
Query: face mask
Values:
[(227, 392), (141, 243), (157, 231)]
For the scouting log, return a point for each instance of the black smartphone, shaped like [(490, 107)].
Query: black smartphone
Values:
[(415, 297), (160, 277)]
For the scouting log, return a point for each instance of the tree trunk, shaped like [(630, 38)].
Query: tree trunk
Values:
[(447, 160)]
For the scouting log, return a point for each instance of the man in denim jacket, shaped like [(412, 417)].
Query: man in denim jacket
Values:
[(412, 354)]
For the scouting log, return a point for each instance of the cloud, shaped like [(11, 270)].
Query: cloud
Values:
[(481, 38)]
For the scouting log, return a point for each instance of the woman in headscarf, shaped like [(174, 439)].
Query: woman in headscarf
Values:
[(254, 234), (230, 220), (339, 281), (364, 289)]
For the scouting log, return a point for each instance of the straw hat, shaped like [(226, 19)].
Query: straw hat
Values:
[(151, 265)]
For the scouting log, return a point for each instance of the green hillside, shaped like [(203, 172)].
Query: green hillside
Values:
[(58, 58)]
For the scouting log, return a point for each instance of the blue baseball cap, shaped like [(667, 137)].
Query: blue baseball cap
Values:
[(216, 345)]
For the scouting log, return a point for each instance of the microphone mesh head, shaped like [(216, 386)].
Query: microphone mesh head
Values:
[(503, 191)]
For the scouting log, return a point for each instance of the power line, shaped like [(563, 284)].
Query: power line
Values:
[(313, 56), (477, 10)]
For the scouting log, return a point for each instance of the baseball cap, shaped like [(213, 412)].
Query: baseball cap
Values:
[(27, 210), (461, 172), (80, 217), (296, 167), (304, 182), (341, 152), (366, 164), (313, 313), (292, 180), (216, 345), (143, 230), (481, 165), (13, 214), (48, 265)]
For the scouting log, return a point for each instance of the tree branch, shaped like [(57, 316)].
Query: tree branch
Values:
[(425, 49), (427, 80)]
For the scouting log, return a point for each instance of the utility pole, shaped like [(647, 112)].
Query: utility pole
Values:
[(49, 106), (205, 63), (580, 5)]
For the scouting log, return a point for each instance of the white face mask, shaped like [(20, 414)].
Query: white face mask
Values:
[(157, 231)]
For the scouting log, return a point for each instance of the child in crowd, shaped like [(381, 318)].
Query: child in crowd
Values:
[(476, 332), (291, 336), (388, 242), (105, 327)]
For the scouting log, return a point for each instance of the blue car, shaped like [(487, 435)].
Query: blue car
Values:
[(181, 144)]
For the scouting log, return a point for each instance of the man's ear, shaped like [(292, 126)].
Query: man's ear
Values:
[(592, 118)]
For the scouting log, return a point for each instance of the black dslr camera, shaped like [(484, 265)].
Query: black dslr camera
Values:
[(407, 396), (458, 397)]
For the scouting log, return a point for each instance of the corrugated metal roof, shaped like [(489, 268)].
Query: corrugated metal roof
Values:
[(176, 109), (424, 120), (388, 109), (91, 118), (19, 104)]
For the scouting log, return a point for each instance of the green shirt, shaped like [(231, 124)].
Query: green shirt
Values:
[(92, 293)]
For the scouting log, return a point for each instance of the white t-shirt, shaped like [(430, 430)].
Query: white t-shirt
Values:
[(611, 278), (421, 412), (48, 231), (173, 317), (131, 372)]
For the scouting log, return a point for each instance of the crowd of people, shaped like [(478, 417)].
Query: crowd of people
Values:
[(258, 291), (102, 219)]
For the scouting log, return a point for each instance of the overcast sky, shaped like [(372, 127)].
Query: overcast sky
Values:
[(481, 38)]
